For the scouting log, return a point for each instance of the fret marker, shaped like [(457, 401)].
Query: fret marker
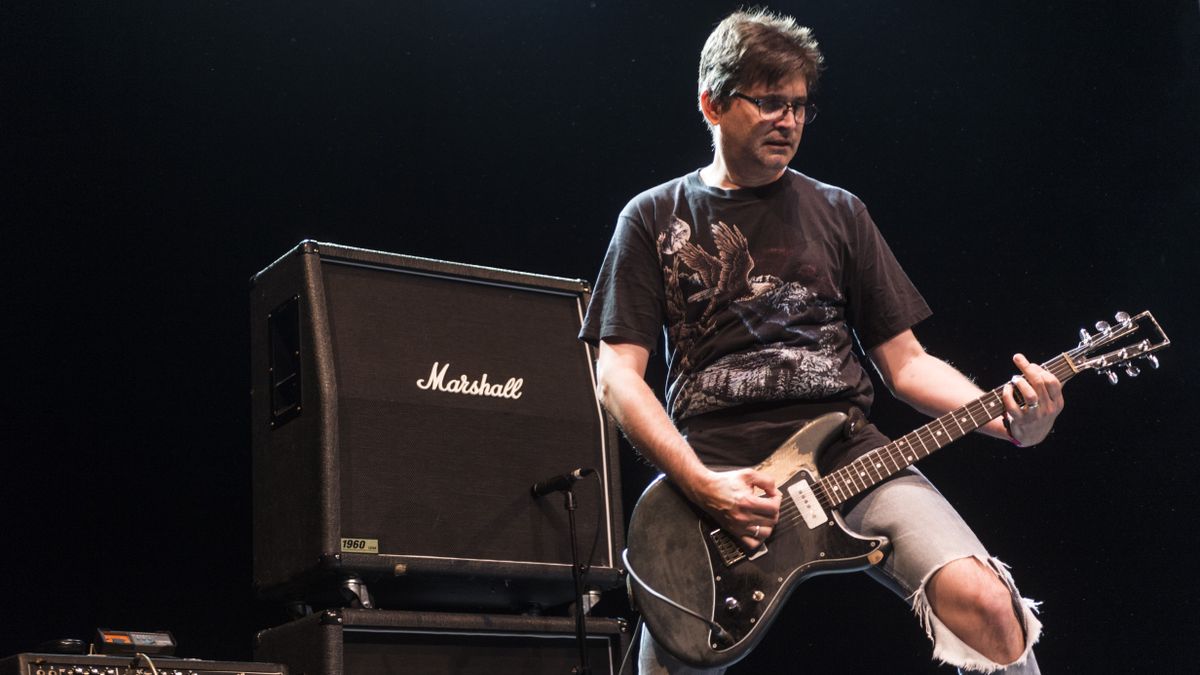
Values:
[(937, 433), (962, 419), (862, 473), (992, 404), (910, 458), (878, 465)]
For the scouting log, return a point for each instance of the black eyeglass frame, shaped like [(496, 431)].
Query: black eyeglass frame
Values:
[(810, 110)]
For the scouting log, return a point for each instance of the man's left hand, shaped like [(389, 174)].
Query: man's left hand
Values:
[(1030, 421)]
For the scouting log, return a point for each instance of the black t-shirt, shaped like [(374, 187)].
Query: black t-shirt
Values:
[(758, 290)]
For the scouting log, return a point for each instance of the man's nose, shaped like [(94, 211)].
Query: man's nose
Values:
[(788, 118)]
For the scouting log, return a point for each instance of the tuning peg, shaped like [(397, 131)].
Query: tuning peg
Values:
[(1103, 326), (1112, 377), (1131, 370), (1122, 317), (1152, 360), (1084, 337)]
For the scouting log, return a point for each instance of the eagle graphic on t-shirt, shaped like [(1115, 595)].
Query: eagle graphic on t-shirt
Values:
[(795, 357)]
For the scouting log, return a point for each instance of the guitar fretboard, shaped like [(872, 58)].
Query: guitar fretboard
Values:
[(880, 463)]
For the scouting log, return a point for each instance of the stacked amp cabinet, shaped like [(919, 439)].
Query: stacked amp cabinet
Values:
[(367, 642), (401, 410)]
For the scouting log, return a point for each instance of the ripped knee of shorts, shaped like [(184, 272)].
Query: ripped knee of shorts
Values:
[(950, 649)]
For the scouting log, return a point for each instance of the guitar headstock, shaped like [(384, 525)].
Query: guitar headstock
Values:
[(1130, 338)]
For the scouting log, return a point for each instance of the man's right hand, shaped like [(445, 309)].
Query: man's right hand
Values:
[(744, 502)]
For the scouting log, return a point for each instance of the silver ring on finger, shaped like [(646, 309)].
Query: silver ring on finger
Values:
[(1032, 405), (757, 528)]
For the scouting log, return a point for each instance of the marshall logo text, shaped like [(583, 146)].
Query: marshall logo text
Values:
[(463, 385)]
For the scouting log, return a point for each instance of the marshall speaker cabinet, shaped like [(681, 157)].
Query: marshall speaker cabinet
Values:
[(402, 408), (359, 642)]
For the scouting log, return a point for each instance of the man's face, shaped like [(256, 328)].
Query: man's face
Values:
[(757, 151)]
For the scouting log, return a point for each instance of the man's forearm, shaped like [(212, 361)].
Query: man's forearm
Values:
[(935, 387), (745, 502), (637, 410)]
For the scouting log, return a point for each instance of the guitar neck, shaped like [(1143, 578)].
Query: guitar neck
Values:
[(885, 461)]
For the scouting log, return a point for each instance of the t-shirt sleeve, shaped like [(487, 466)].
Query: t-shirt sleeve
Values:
[(627, 301), (882, 302)]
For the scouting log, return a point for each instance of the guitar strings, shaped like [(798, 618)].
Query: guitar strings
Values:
[(872, 467)]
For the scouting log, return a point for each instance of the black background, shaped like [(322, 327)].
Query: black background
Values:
[(1034, 166)]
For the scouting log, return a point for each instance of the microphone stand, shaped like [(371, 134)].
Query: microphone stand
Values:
[(577, 577)]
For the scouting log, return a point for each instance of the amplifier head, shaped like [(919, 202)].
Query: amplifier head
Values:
[(68, 664)]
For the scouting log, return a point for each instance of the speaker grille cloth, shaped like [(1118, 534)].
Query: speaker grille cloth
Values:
[(436, 473)]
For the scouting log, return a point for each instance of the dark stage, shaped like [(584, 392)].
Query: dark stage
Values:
[(1035, 167)]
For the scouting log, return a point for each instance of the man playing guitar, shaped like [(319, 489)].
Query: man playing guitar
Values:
[(764, 279)]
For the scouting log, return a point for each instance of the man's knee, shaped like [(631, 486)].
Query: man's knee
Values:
[(972, 597), (969, 585), (972, 611)]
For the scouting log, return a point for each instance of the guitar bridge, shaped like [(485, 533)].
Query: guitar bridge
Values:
[(730, 552)]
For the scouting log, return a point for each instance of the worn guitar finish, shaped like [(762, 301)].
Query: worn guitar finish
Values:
[(689, 559), (676, 551)]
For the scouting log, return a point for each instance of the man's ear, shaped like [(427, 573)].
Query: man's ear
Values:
[(709, 108)]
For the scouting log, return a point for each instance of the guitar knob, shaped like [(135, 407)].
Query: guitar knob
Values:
[(1112, 377), (1103, 326), (1122, 317), (1152, 360), (732, 604), (1132, 370), (1084, 338)]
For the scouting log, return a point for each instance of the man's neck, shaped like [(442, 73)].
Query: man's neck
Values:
[(719, 175)]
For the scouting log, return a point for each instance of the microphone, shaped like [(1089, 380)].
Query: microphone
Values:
[(559, 483)]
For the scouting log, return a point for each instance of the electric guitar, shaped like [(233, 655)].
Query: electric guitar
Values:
[(708, 602)]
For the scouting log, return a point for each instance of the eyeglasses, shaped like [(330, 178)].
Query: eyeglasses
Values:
[(771, 109)]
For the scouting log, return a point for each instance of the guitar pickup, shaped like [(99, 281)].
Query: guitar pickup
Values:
[(807, 503)]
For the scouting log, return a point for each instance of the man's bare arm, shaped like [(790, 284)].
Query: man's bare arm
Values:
[(744, 502), (934, 387)]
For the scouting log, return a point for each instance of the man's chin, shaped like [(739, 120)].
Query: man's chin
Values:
[(778, 154), (777, 162)]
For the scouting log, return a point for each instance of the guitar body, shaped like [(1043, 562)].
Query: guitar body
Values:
[(677, 551)]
